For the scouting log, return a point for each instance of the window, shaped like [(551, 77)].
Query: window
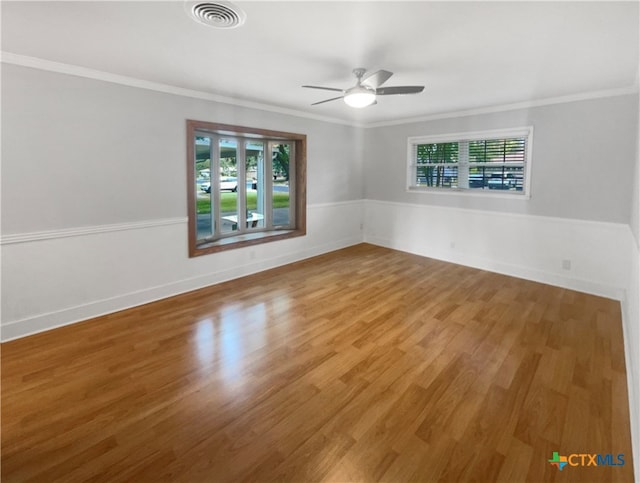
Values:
[(245, 186), (488, 162)]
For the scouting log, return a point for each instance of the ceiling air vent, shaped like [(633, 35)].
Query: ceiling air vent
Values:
[(221, 15)]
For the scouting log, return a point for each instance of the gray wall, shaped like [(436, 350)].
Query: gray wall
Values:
[(583, 159), (79, 152)]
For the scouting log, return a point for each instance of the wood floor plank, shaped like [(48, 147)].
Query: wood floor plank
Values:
[(364, 364)]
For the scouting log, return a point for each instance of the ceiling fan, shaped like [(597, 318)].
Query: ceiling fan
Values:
[(364, 93)]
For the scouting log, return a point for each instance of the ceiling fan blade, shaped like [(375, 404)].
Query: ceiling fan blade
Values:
[(325, 88), (327, 100), (376, 79), (388, 91)]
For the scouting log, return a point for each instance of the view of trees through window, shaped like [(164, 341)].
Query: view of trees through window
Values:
[(238, 187), (245, 186), (479, 164)]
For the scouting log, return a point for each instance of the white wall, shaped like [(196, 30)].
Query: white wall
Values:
[(631, 317), (94, 197), (525, 246), (631, 309)]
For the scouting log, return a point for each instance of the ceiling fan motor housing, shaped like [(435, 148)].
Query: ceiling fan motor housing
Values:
[(359, 72)]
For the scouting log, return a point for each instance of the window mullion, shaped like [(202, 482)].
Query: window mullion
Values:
[(241, 184), (214, 180), (463, 164), (268, 185)]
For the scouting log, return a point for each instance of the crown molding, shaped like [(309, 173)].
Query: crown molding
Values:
[(69, 69), (584, 96), (78, 71)]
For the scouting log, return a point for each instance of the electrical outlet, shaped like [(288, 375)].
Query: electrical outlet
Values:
[(566, 264), (452, 245)]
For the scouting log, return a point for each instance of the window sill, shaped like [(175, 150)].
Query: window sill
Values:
[(511, 195), (244, 240)]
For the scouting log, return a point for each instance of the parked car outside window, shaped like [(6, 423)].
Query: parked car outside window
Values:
[(227, 183)]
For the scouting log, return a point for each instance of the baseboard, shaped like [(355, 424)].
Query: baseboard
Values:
[(630, 316), (632, 390), (527, 273), (47, 321)]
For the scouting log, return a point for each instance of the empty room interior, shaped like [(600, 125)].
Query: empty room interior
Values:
[(320, 241)]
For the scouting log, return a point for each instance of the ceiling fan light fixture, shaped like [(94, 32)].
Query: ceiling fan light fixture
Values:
[(360, 97), (367, 89)]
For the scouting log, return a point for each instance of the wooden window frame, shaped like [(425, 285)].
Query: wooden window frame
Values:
[(299, 225)]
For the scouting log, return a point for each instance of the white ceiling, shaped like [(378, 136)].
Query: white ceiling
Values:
[(468, 54)]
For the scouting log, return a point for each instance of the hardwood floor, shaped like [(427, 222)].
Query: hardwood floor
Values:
[(365, 364)]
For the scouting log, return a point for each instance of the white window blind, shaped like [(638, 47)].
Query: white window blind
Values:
[(483, 162)]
